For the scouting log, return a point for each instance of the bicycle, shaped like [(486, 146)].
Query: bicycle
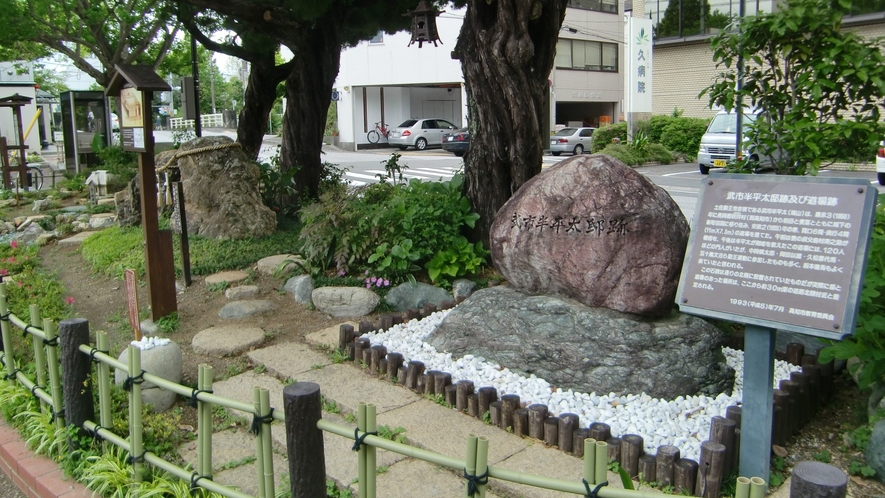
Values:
[(375, 135)]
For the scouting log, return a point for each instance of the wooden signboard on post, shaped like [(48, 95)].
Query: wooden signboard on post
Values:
[(136, 85)]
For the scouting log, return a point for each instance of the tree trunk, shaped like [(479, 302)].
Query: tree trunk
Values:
[(261, 92), (506, 48), (308, 95)]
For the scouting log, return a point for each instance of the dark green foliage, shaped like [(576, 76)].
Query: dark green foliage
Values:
[(629, 155), (691, 19), (604, 136), (389, 229), (684, 135)]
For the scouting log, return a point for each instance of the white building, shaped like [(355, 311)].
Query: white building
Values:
[(384, 80)]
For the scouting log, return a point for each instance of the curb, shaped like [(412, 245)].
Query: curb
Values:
[(36, 476)]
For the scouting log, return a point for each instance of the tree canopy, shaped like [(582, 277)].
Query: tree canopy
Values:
[(692, 18), (120, 32), (821, 87)]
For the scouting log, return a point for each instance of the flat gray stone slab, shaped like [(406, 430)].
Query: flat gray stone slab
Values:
[(348, 386), (419, 478), (245, 477), (231, 277), (289, 360), (76, 239), (443, 430), (542, 461), (240, 388), (341, 460), (243, 309), (241, 292), (227, 340), (228, 446), (328, 336), (270, 264)]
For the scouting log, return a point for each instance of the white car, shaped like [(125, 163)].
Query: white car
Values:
[(420, 133), (880, 163)]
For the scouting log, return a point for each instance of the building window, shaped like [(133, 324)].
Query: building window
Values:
[(586, 55), (597, 5), (379, 38)]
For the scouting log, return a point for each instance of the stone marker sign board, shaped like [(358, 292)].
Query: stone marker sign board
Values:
[(779, 251)]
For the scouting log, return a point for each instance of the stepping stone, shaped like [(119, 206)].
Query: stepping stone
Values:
[(231, 277), (76, 239), (241, 292), (102, 220), (242, 309), (270, 264), (227, 340)]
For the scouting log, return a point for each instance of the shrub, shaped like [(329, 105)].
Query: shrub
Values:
[(684, 135), (623, 153), (603, 137), (659, 153), (654, 127)]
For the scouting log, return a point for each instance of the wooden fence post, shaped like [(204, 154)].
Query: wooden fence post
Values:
[(304, 441), (818, 480), (75, 368)]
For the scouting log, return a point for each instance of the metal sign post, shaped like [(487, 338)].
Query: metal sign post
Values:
[(776, 252)]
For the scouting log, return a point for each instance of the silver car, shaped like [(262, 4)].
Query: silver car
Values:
[(571, 141), (419, 133)]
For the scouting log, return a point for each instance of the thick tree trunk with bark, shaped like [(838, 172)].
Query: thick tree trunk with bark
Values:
[(506, 48), (261, 92), (308, 95)]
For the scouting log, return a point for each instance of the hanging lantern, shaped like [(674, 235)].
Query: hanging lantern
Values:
[(424, 24)]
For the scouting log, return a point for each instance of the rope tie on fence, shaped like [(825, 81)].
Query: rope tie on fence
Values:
[(34, 390), (196, 392), (257, 421), (195, 478), (95, 433), (12, 375), (96, 350), (53, 342), (595, 491), (56, 414), (474, 481), (177, 155), (5, 317), (27, 330), (132, 459), (138, 379), (358, 440)]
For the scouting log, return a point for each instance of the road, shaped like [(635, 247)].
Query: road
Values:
[(682, 181)]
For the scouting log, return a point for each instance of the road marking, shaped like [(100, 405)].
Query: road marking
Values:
[(682, 173), (414, 173)]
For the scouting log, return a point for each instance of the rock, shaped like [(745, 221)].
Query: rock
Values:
[(222, 200), (41, 205), (600, 350), (592, 229), (128, 204), (162, 361), (102, 220), (407, 295), (345, 301), (148, 328), (463, 287), (45, 238), (226, 341), (271, 264), (242, 309), (230, 277), (300, 287), (30, 233), (241, 292), (875, 452)]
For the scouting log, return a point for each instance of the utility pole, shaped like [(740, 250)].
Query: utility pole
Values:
[(212, 82), (198, 125)]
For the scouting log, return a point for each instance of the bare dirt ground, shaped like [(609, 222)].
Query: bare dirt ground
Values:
[(102, 301)]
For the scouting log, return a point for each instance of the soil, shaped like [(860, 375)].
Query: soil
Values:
[(102, 301)]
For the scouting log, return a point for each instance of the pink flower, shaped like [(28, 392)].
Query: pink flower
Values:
[(378, 284), (386, 282), (374, 279), (69, 300), (367, 272), (368, 285), (14, 244), (4, 271)]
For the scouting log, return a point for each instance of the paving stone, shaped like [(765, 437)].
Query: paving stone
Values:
[(240, 388), (348, 386), (288, 360), (76, 239), (271, 264), (227, 340), (542, 461), (230, 277), (230, 445), (245, 477), (243, 309), (241, 292), (342, 461), (328, 336)]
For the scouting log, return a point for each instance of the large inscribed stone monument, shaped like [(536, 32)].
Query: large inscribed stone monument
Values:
[(593, 229)]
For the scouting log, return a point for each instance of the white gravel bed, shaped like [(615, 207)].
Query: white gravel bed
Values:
[(683, 422)]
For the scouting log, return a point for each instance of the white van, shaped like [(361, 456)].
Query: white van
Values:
[(718, 143)]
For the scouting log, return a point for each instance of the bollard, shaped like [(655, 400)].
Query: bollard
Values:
[(304, 441), (818, 480), (75, 368)]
